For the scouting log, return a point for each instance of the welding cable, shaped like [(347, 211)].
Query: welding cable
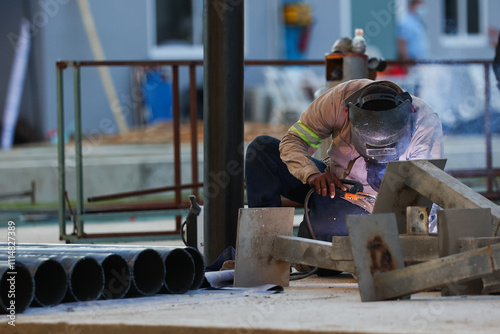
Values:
[(306, 213), (314, 270), (182, 233)]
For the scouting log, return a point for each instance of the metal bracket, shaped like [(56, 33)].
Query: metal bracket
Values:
[(378, 260), (415, 183), (256, 244)]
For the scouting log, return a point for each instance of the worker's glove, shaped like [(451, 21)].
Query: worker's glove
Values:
[(325, 183)]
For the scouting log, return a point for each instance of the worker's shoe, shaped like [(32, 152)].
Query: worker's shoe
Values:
[(228, 265)]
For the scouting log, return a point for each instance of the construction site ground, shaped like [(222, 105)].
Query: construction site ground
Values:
[(311, 305)]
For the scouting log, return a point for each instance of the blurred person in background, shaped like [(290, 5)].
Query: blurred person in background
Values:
[(412, 40), (412, 33)]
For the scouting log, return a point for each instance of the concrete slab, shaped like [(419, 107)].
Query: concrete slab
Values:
[(312, 305)]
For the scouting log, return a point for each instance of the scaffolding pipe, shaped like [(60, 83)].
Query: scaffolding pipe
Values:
[(24, 287), (49, 276)]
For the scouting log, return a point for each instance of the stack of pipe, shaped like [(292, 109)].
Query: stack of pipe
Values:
[(49, 274)]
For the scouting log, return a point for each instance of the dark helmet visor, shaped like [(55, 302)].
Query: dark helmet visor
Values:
[(381, 135)]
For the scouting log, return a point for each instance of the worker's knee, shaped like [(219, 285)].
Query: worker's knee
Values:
[(260, 145)]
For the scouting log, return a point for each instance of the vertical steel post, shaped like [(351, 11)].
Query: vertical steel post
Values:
[(223, 123), (487, 129), (177, 139), (193, 121), (78, 147), (60, 149)]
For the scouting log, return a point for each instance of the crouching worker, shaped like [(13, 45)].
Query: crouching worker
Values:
[(370, 123)]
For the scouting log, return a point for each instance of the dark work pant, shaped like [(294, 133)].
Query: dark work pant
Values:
[(267, 179)]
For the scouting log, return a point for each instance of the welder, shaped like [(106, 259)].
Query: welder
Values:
[(370, 123)]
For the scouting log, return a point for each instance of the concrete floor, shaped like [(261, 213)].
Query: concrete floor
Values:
[(311, 305)]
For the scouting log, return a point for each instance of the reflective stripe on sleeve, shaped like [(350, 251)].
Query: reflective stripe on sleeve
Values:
[(306, 134)]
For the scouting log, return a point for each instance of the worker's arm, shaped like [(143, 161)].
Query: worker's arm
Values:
[(325, 116), (427, 140)]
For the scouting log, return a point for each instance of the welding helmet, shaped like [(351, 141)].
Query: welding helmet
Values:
[(381, 121)]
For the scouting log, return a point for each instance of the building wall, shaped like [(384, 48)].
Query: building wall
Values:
[(475, 48), (123, 28), (31, 108)]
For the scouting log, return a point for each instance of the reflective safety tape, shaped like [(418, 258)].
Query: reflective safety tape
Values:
[(306, 134)]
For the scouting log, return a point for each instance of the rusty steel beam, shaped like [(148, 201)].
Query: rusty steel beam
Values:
[(143, 192), (193, 122)]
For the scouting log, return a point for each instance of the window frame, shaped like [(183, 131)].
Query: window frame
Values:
[(462, 38), (183, 52), (169, 52)]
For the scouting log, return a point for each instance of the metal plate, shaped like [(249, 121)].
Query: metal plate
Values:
[(417, 218), (394, 195), (375, 249), (255, 245), (456, 223)]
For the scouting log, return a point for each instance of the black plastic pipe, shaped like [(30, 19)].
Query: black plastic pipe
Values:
[(16, 289), (49, 276)]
